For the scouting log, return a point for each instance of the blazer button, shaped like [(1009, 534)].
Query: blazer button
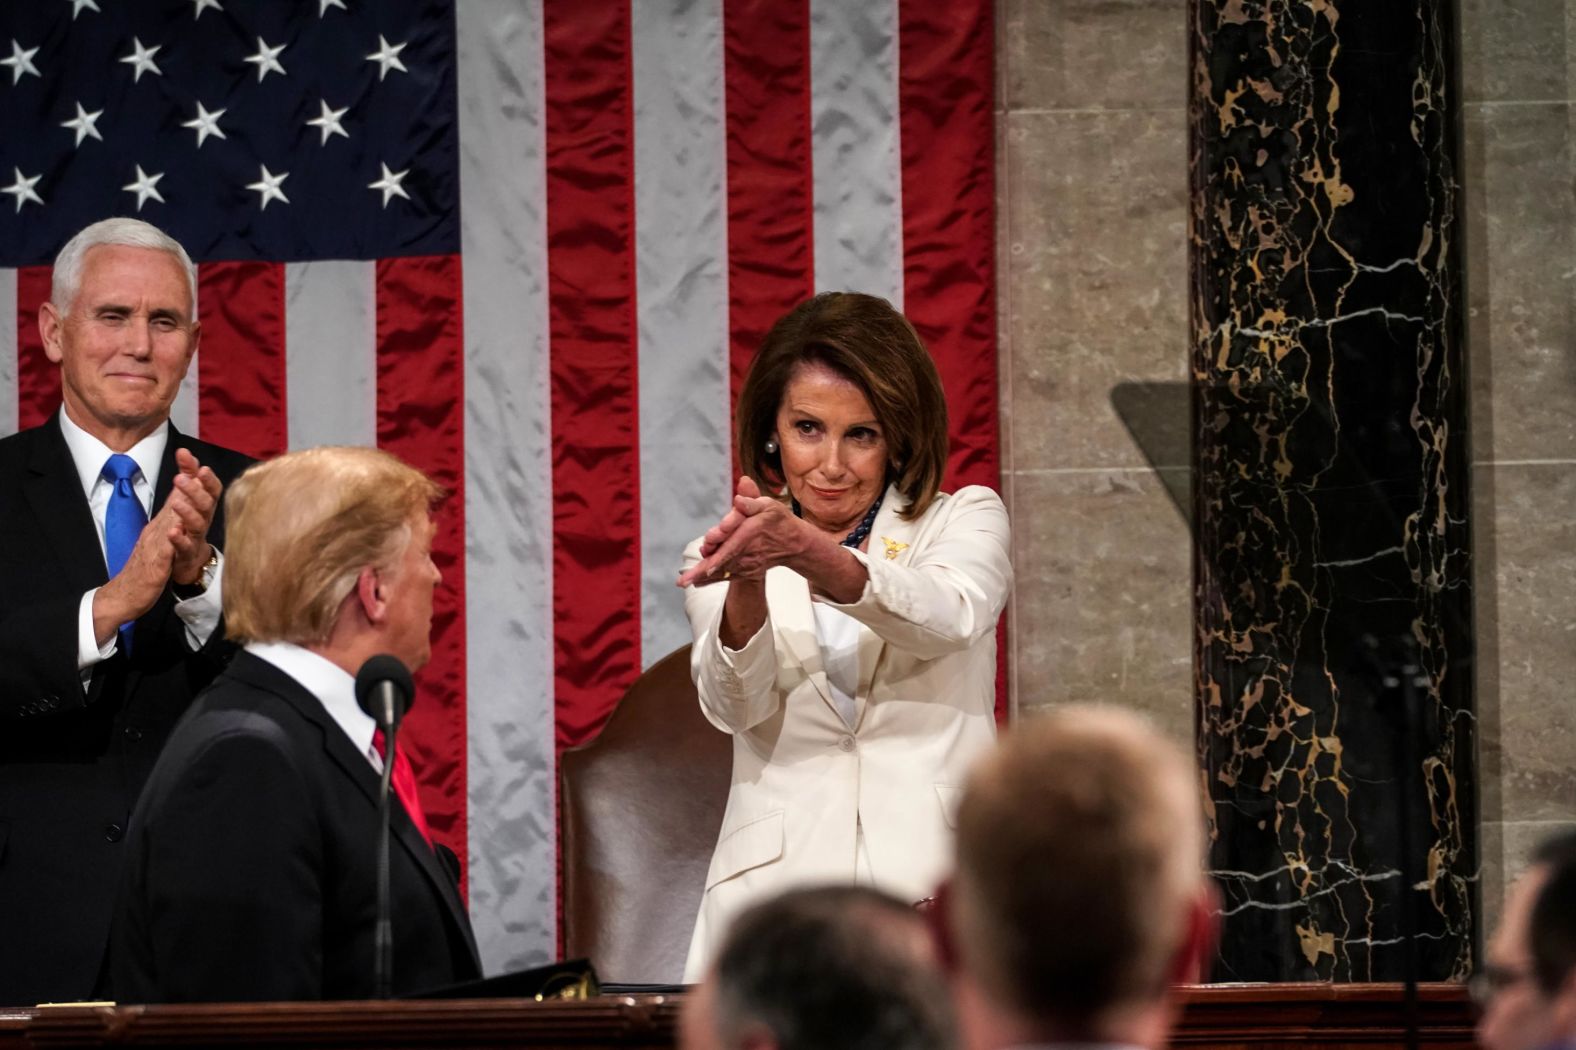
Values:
[(845, 742), (132, 733), (113, 832)]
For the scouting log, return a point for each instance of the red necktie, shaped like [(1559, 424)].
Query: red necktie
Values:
[(404, 781)]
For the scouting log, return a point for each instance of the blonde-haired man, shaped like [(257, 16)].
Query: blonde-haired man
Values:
[(1079, 898), (252, 860)]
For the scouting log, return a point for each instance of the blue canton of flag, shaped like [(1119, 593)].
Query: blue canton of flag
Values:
[(316, 129)]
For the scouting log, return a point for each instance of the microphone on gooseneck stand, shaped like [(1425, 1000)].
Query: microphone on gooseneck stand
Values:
[(384, 690)]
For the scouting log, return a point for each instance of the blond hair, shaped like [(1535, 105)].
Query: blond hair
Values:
[(300, 528), (1080, 848)]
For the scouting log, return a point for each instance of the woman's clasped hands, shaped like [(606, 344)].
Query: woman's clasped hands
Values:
[(758, 533)]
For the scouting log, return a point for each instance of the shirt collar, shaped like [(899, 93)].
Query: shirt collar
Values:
[(89, 454), (333, 686)]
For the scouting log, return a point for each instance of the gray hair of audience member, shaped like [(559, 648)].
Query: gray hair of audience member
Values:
[(1552, 937), (124, 232), (1079, 867), (832, 968)]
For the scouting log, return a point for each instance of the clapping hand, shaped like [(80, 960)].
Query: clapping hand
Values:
[(756, 534)]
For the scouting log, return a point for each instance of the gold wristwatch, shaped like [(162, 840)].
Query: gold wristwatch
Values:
[(184, 591)]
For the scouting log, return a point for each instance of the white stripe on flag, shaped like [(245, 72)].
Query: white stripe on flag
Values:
[(855, 149), (331, 353), (9, 408), (508, 484), (681, 297)]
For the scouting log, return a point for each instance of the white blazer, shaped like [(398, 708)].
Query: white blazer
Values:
[(803, 781)]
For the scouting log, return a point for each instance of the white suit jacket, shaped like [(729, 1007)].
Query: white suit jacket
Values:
[(803, 781)]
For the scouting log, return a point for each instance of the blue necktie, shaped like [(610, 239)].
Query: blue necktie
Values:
[(124, 519)]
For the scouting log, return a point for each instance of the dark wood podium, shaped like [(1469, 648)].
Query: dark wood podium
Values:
[(1230, 1017)]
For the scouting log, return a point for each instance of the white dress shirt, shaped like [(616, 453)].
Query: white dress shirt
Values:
[(333, 686), (200, 614)]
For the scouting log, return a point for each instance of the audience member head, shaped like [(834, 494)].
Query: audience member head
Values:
[(121, 324), (1528, 986), (330, 548), (823, 968), (1079, 897)]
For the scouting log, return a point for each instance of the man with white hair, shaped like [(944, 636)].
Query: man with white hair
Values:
[(1079, 899), (109, 595)]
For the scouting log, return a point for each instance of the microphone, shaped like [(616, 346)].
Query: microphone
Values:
[(384, 690)]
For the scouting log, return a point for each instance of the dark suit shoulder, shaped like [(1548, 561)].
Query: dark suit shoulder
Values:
[(17, 450), (225, 462)]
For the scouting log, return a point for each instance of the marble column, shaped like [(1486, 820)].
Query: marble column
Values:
[(1332, 603)]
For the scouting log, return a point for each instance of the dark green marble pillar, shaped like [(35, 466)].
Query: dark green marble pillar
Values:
[(1333, 646)]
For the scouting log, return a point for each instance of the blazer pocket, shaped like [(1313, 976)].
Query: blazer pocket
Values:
[(747, 846), (949, 797)]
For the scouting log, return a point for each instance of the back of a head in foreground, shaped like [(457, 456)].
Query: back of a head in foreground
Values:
[(826, 968), (299, 528), (1079, 872), (1552, 937)]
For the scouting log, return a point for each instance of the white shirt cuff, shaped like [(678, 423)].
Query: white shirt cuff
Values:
[(89, 653), (201, 614)]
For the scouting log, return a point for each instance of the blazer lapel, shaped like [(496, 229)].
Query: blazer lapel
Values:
[(890, 540), (793, 618), (53, 489)]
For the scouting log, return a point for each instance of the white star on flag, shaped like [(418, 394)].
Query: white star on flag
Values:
[(22, 61), (22, 189), (267, 59), (390, 184), (328, 121), (268, 186), (326, 4), (206, 124), (84, 124), (141, 59), (387, 57), (78, 5), (203, 5), (145, 186)]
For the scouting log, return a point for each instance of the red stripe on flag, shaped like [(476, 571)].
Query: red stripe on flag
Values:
[(37, 377), (421, 419), (241, 357), (593, 367), (945, 105), (949, 217), (771, 187)]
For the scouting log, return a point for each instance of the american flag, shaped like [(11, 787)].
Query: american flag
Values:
[(529, 246)]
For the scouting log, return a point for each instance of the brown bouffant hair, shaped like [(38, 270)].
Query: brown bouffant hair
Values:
[(300, 530), (863, 339)]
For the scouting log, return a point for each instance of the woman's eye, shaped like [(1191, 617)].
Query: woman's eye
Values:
[(804, 426)]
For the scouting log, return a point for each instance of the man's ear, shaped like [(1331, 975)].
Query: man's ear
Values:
[(1201, 935), (49, 326), (370, 595)]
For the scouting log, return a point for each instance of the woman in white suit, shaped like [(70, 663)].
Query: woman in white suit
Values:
[(845, 623)]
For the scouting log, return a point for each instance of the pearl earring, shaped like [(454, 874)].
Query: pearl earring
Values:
[(771, 446)]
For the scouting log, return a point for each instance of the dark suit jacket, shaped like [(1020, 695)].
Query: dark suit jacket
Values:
[(251, 867), (71, 763)]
